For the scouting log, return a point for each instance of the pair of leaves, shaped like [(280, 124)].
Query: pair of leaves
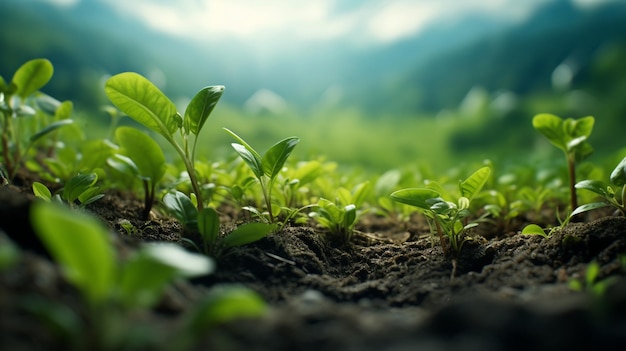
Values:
[(271, 162), (569, 135), (137, 97)]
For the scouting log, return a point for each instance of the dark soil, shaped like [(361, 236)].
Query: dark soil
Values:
[(390, 288)]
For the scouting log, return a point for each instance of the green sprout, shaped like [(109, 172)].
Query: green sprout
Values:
[(448, 217), (591, 283), (569, 135), (340, 216), (140, 157), (613, 195), (141, 100), (16, 112), (80, 189), (267, 167)]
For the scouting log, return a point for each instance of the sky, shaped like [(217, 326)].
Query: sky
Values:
[(366, 22)]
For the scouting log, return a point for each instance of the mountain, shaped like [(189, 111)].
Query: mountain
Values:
[(427, 72)]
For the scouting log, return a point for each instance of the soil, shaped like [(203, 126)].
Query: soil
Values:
[(390, 288)]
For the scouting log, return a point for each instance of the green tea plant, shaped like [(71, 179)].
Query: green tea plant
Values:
[(613, 194), (569, 135), (140, 157), (449, 218), (80, 189), (141, 100), (267, 167), (340, 216), (17, 110)]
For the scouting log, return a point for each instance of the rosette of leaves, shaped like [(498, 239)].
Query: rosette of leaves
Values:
[(448, 217)]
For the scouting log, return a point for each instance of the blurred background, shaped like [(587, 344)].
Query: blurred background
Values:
[(370, 84)]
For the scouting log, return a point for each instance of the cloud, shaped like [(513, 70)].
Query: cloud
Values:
[(362, 22)]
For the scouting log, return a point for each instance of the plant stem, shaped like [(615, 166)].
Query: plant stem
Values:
[(192, 173), (571, 165)]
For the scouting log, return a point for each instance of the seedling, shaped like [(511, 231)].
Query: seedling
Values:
[(207, 224), (14, 110), (140, 157), (214, 244), (340, 216), (591, 283), (80, 189), (448, 217), (265, 168), (613, 195), (569, 135), (137, 97)]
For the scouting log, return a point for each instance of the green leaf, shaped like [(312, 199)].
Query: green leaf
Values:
[(618, 176), (145, 153), (274, 158), (78, 185), (41, 191), (415, 197), (201, 107), (256, 155), (181, 207), (64, 111), (90, 195), (146, 275), (80, 244), (551, 127), (474, 183), (247, 233), (223, 304), (250, 158), (141, 100), (32, 76), (533, 229), (589, 207), (123, 165), (579, 128), (50, 128), (349, 216), (360, 192), (596, 186), (209, 225)]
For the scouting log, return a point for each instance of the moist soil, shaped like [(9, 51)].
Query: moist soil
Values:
[(390, 288)]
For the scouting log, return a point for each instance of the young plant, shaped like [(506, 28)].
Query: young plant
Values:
[(141, 100), (267, 167), (80, 189), (449, 218), (340, 216), (569, 135), (214, 244), (14, 110), (613, 195), (140, 157)]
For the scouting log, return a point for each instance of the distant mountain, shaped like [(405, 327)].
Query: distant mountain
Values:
[(429, 71)]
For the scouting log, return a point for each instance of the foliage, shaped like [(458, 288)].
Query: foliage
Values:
[(569, 135), (18, 116), (340, 216), (267, 167), (140, 157), (145, 103), (613, 195), (80, 189), (449, 217)]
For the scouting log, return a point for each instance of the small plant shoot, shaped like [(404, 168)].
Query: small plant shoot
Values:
[(141, 100), (613, 195), (569, 135), (265, 168), (448, 217)]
